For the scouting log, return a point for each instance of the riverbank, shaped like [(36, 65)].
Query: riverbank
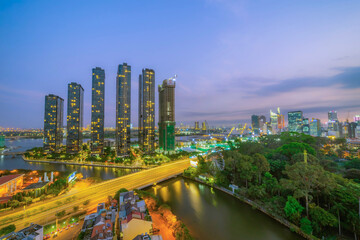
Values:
[(255, 205), (83, 164)]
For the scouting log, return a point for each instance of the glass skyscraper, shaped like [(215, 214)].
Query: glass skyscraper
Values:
[(97, 110), (255, 124), (123, 109), (147, 110), (315, 127), (295, 121), (306, 126), (167, 115), (75, 111), (53, 123), (332, 116)]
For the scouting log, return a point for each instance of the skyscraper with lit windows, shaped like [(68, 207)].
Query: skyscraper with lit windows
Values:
[(53, 123), (97, 110), (295, 121), (75, 109), (167, 115), (147, 110), (123, 109), (315, 127)]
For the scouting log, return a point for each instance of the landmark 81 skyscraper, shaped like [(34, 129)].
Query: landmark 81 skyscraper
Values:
[(147, 110), (123, 108), (167, 115), (97, 110), (74, 117), (53, 123)]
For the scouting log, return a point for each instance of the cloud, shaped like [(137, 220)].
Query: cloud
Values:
[(348, 78)]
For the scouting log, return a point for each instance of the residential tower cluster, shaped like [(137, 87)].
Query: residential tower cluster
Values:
[(54, 108)]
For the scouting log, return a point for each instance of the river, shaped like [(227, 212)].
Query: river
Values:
[(10, 163), (208, 213), (212, 215)]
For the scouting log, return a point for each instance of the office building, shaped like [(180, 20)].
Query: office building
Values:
[(97, 110), (123, 109), (203, 128), (262, 121), (147, 110), (352, 129), (274, 122), (357, 119), (75, 111), (53, 123), (332, 116), (295, 121), (315, 127), (281, 122), (255, 124), (167, 115), (197, 126), (306, 126)]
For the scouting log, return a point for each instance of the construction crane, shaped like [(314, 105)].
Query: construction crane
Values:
[(242, 129), (230, 132), (173, 78)]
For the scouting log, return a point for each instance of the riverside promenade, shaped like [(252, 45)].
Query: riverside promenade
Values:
[(85, 164)]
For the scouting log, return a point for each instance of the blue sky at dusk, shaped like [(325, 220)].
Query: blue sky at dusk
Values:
[(233, 58)]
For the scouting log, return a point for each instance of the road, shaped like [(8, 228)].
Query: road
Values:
[(96, 193)]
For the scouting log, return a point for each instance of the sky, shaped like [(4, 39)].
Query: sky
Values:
[(233, 58)]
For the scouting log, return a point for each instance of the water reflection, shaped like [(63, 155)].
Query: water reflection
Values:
[(211, 214)]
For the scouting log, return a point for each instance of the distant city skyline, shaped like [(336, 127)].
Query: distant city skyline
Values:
[(234, 59)]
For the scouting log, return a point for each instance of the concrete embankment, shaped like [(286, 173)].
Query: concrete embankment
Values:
[(83, 164)]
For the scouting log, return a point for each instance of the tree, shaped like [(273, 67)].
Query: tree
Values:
[(60, 214), (321, 218), (293, 148), (305, 225), (250, 148), (338, 208), (256, 191), (86, 202), (7, 229), (14, 203), (293, 209), (352, 174), (304, 180), (261, 163), (271, 183), (76, 208), (245, 169), (117, 194), (27, 200)]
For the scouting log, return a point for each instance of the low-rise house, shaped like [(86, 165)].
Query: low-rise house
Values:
[(100, 225), (33, 232), (133, 216)]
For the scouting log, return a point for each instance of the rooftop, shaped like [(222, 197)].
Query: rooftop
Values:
[(36, 185), (8, 178)]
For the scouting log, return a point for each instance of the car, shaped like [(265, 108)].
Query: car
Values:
[(72, 225), (66, 228), (77, 223)]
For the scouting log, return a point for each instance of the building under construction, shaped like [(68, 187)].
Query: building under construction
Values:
[(167, 115)]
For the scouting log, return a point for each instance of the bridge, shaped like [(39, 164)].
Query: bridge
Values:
[(44, 212), (11, 153)]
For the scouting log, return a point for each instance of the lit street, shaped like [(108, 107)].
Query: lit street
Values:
[(98, 193)]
